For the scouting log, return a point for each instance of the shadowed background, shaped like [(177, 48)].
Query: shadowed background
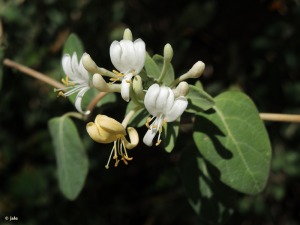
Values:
[(250, 45)]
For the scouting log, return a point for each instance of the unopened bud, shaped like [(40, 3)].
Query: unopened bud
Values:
[(127, 34), (137, 86), (168, 52), (100, 83), (182, 89), (89, 64), (197, 70)]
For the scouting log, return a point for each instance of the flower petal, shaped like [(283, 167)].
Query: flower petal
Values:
[(74, 65), (177, 109), (134, 138), (66, 64), (109, 124), (125, 87), (148, 138), (128, 57), (83, 72), (170, 102), (115, 52), (79, 99), (140, 54), (99, 135), (150, 99), (162, 99)]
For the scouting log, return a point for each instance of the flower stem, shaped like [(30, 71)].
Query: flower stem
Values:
[(33, 73), (163, 71), (280, 117), (75, 115), (129, 116), (95, 100)]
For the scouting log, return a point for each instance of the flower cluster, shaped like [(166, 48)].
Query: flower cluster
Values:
[(164, 102)]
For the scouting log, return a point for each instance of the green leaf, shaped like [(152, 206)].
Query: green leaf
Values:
[(209, 197), (199, 100), (73, 44), (169, 135), (232, 137), (71, 158), (151, 68), (169, 77)]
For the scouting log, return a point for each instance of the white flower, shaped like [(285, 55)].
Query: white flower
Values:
[(164, 107), (77, 79), (128, 58)]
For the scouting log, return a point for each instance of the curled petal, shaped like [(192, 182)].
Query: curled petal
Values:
[(98, 134), (177, 109), (83, 72), (125, 87), (148, 138), (79, 99), (150, 99), (109, 124), (133, 136)]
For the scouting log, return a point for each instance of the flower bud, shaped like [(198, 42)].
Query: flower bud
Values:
[(197, 70), (138, 87), (168, 53), (88, 63), (100, 83), (127, 34), (182, 89)]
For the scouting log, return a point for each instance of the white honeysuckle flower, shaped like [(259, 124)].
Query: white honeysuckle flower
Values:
[(77, 79), (128, 58), (164, 107)]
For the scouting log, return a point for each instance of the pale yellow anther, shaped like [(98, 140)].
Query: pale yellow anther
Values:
[(158, 142), (147, 122), (61, 94)]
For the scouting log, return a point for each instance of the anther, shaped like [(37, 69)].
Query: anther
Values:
[(158, 142)]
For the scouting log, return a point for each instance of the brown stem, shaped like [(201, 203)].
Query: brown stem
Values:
[(33, 73), (95, 100), (280, 117)]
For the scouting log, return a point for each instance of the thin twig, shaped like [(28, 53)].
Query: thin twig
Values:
[(95, 100), (33, 73), (280, 117)]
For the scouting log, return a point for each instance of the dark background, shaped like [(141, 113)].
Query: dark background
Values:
[(251, 45)]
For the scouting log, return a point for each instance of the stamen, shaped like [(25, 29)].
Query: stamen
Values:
[(117, 162), (158, 142), (118, 73), (149, 119), (61, 94), (108, 161)]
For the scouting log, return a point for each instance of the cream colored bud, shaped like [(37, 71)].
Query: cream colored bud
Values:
[(89, 64), (127, 34), (168, 52), (182, 89), (100, 83), (197, 70), (137, 86)]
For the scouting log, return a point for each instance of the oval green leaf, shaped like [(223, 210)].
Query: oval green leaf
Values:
[(71, 158), (233, 138)]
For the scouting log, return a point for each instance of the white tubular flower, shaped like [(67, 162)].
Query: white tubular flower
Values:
[(164, 107), (128, 58), (77, 79)]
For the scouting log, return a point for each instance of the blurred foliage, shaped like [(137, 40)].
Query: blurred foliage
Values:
[(250, 45)]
